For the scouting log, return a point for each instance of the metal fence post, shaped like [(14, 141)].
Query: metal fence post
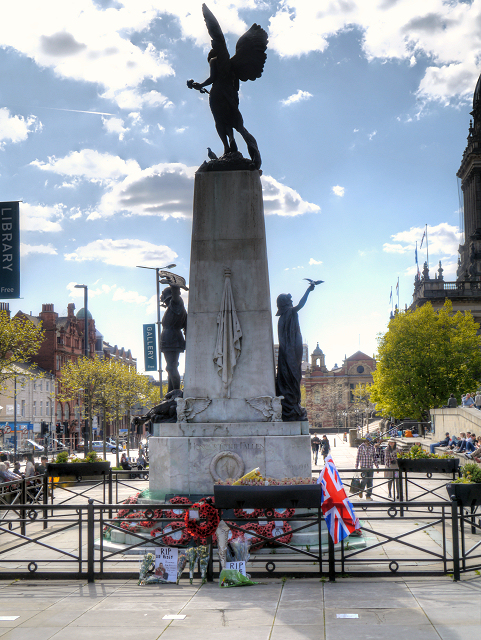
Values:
[(90, 540), (332, 559), (110, 492), (319, 523), (45, 499), (23, 511), (455, 526)]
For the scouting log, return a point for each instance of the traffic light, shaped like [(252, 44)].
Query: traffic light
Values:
[(58, 429), (44, 429)]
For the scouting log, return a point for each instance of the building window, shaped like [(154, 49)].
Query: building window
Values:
[(41, 407), (47, 408), (23, 409), (34, 407), (360, 369), (41, 385), (58, 362), (34, 385)]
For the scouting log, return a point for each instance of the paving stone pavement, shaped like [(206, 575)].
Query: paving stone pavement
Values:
[(304, 609), (394, 608)]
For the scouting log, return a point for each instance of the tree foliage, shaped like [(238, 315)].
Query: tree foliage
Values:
[(424, 357), (20, 339)]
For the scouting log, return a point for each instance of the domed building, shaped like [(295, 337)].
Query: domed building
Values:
[(330, 394)]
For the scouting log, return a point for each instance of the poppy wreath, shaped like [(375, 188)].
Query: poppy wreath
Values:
[(169, 540), (205, 529), (179, 500), (286, 527), (283, 513), (265, 529), (177, 513), (248, 513)]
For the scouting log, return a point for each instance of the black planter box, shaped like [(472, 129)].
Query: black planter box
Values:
[(258, 497), (77, 469), (468, 495), (429, 465)]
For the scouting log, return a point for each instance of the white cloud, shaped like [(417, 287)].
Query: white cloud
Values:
[(163, 190), (81, 40), (123, 253), (312, 261), (134, 99), (40, 217), (132, 297), (90, 165), (181, 129), (296, 97), (371, 135), (28, 249), (445, 32), (338, 191), (115, 125), (16, 128), (284, 201), (93, 291), (443, 240)]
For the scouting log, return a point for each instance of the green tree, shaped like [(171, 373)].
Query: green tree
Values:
[(423, 357), (86, 376), (20, 340)]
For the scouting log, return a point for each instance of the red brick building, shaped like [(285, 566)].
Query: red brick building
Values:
[(329, 394), (64, 342)]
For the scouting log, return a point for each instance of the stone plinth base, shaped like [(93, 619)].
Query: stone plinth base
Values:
[(196, 455)]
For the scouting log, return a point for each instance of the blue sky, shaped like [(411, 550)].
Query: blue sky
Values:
[(361, 117)]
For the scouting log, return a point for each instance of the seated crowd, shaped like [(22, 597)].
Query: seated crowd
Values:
[(466, 443)]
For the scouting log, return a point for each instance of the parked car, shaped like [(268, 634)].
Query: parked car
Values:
[(98, 445), (56, 446)]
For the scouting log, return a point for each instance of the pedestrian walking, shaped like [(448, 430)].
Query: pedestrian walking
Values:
[(392, 468), (325, 447), (315, 444), (366, 460)]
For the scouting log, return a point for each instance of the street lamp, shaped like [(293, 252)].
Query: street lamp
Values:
[(86, 354), (157, 283)]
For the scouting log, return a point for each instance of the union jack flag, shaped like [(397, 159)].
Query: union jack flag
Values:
[(338, 511)]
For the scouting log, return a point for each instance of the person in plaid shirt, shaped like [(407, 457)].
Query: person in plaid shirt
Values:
[(366, 459)]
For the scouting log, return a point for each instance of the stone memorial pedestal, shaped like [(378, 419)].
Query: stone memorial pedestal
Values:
[(229, 417)]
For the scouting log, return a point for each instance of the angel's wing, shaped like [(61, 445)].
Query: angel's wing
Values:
[(250, 54), (215, 32)]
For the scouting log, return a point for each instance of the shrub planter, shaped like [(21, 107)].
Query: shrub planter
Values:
[(467, 495), (77, 469), (259, 497), (429, 465)]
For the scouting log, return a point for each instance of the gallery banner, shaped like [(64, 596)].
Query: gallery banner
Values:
[(150, 350), (9, 250)]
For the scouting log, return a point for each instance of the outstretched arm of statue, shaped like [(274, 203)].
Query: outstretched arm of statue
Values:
[(303, 300), (200, 85)]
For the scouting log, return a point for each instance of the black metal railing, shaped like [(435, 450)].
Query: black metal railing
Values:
[(70, 541)]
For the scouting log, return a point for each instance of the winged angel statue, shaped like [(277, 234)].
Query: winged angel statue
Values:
[(225, 73)]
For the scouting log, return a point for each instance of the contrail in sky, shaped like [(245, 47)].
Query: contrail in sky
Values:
[(97, 113)]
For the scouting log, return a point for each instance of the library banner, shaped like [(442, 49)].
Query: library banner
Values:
[(150, 350), (9, 250)]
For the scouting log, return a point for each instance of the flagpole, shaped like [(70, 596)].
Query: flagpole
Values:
[(398, 292), (427, 246)]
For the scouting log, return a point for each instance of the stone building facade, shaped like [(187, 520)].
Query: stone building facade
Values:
[(465, 291), (329, 394)]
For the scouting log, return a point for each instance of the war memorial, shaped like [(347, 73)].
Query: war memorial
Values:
[(233, 417)]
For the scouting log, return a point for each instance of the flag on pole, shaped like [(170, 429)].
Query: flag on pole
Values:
[(390, 297), (337, 509), (397, 286), (416, 252), (422, 239)]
